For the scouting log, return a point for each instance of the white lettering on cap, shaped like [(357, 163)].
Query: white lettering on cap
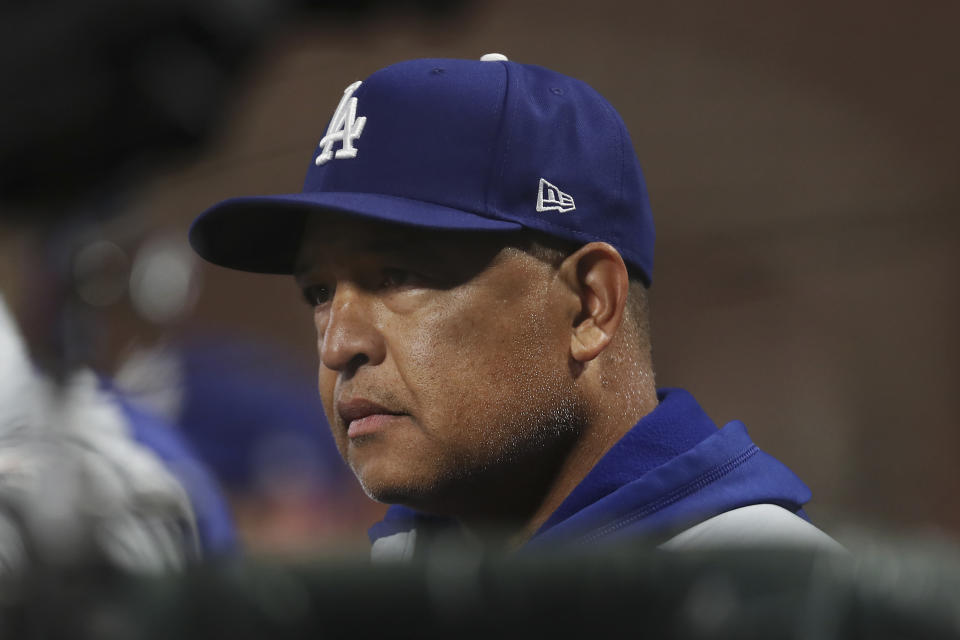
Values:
[(550, 198), (345, 127)]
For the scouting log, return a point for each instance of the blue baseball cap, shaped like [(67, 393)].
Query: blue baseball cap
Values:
[(470, 145)]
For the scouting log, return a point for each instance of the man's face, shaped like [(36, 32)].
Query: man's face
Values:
[(444, 360)]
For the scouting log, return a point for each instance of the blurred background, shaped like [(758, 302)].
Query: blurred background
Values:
[(803, 167)]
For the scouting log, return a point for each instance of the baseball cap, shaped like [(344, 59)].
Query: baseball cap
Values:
[(471, 145)]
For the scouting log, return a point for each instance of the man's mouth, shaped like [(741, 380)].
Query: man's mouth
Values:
[(363, 417)]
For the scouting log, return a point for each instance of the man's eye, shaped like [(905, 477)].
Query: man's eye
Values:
[(316, 294)]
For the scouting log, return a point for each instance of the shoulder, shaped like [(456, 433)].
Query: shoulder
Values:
[(165, 442), (753, 526)]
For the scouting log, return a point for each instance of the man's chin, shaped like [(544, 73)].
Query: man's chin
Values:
[(388, 483), (400, 495), (413, 492)]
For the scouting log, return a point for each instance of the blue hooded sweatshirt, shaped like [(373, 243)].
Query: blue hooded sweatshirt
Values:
[(673, 469)]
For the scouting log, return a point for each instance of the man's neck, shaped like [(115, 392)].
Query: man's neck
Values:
[(519, 506), (582, 459)]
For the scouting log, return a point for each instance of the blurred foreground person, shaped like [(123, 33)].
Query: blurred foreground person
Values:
[(85, 476), (476, 242)]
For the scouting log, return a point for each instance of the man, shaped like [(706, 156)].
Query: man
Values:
[(476, 241)]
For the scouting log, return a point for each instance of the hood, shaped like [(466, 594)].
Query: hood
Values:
[(673, 469)]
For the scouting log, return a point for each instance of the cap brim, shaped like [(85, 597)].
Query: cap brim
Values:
[(263, 233)]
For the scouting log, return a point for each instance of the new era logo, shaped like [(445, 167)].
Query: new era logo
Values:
[(345, 127), (550, 198)]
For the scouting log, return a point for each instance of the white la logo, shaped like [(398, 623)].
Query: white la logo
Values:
[(345, 127)]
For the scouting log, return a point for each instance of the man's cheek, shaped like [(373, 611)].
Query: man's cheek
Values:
[(325, 389), (326, 380)]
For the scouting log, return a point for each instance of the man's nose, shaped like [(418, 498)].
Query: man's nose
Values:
[(351, 337)]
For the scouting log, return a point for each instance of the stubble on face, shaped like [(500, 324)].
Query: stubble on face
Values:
[(482, 369), (515, 414)]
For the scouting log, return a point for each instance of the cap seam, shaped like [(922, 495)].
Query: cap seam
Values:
[(615, 121), (482, 214), (279, 200), (496, 173)]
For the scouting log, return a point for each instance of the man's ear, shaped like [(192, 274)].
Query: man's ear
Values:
[(597, 274)]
